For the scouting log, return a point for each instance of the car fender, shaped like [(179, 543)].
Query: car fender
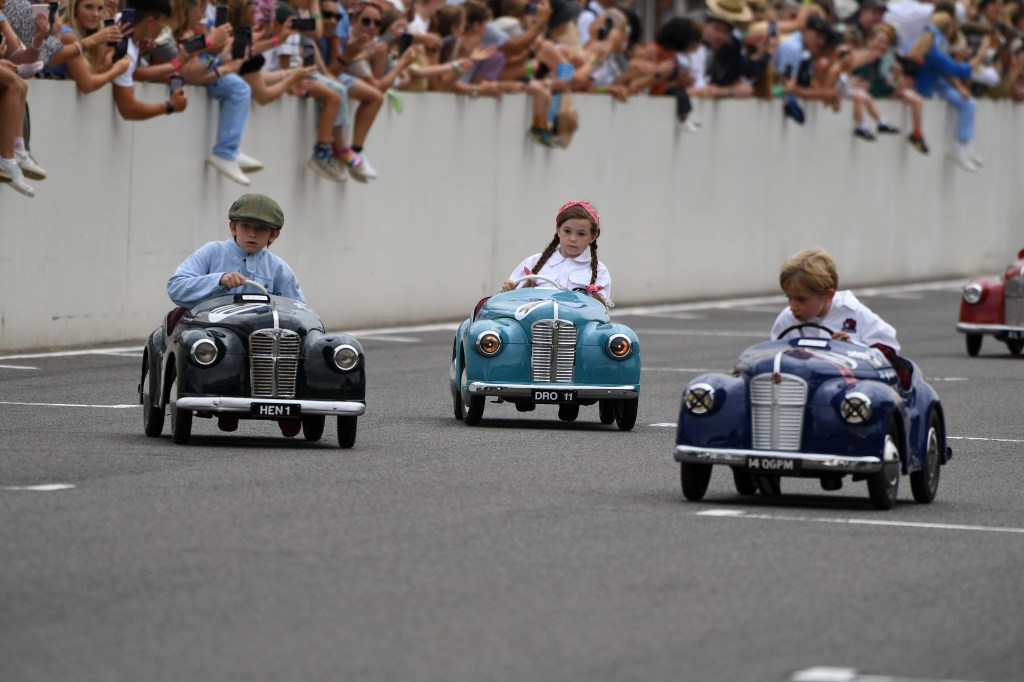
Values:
[(990, 309), (727, 424)]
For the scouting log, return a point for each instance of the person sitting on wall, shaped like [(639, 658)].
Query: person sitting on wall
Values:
[(150, 18)]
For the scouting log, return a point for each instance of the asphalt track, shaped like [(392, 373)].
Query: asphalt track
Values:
[(522, 549)]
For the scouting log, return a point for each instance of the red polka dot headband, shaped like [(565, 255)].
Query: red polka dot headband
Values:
[(585, 205)]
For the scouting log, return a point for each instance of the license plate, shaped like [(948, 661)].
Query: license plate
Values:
[(275, 410), (545, 396), (773, 465), (1015, 336)]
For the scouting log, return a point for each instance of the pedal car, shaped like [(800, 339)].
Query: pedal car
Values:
[(994, 305), (542, 346), (251, 356), (812, 407)]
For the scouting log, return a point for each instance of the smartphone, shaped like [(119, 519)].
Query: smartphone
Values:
[(308, 58), (773, 28), (121, 50), (194, 44), (220, 15), (109, 22), (531, 8), (176, 83), (602, 33), (302, 25), (127, 17), (404, 42), (53, 11), (241, 43)]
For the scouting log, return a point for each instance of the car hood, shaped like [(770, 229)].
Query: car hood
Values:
[(248, 312), (814, 359), (534, 303)]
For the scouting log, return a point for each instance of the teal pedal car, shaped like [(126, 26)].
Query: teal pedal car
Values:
[(543, 346)]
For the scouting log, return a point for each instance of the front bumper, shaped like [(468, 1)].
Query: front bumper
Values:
[(583, 392), (813, 462), (971, 328), (223, 405)]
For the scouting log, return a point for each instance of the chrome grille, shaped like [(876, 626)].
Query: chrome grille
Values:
[(274, 362), (777, 411), (1015, 301), (554, 351)]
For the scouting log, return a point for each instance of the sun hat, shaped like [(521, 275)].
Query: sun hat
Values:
[(729, 11), (257, 208)]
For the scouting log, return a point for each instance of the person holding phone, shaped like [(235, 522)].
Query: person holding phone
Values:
[(587, 24), (150, 17), (86, 43)]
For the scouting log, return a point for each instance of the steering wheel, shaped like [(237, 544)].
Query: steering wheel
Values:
[(519, 280), (800, 327)]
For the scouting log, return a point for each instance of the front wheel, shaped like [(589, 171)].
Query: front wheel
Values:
[(883, 485), (181, 420), (744, 482), (973, 344), (313, 427), (568, 413), (472, 405), (925, 483), (606, 411), (1015, 346), (625, 413), (346, 431), (456, 393), (694, 478), (152, 416)]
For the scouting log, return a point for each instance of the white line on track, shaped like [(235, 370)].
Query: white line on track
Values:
[(16, 367), (43, 488), (994, 440), (824, 673), (109, 407), (740, 514), (127, 350), (664, 424)]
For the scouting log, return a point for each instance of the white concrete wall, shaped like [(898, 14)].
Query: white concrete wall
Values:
[(464, 195)]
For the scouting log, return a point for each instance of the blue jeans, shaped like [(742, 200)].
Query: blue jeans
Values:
[(234, 95), (964, 107)]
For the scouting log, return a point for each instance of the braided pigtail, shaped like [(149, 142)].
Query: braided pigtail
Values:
[(593, 272), (545, 255)]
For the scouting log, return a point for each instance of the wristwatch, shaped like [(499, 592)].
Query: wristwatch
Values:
[(170, 107)]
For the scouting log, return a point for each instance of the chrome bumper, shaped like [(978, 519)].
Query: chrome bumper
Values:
[(837, 464), (971, 328), (526, 390), (222, 405)]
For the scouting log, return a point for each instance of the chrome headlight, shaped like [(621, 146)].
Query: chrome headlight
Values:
[(346, 357), (619, 346), (855, 408), (204, 352), (699, 398), (973, 293), (488, 343)]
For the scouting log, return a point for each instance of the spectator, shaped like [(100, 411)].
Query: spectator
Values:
[(731, 71), (800, 57), (150, 18), (266, 86), (655, 66), (855, 89), (13, 91), (858, 25), (86, 55), (607, 68), (587, 25)]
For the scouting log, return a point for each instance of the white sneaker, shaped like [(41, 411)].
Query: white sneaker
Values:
[(690, 126), (248, 164), (965, 162), (29, 167), (229, 169), (361, 170), (326, 168), (978, 161), (10, 172)]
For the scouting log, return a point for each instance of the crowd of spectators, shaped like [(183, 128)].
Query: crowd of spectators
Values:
[(354, 56)]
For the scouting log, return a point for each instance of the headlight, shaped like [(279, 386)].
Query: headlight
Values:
[(699, 398), (488, 343), (619, 346), (972, 293), (855, 408), (346, 357), (204, 352)]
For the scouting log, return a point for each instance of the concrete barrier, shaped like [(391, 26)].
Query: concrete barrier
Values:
[(464, 195)]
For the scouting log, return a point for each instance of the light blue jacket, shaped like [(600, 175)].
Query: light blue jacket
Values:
[(198, 278)]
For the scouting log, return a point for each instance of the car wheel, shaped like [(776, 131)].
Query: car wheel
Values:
[(456, 393), (925, 483), (744, 482), (769, 485), (973, 344), (152, 417), (346, 431), (606, 411), (883, 485), (625, 413), (313, 427), (694, 478), (1015, 346), (472, 405), (568, 413), (181, 420)]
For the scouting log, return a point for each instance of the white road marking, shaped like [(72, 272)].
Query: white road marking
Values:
[(835, 674), (43, 488), (112, 407), (74, 353), (947, 379), (16, 367), (740, 514), (699, 332), (665, 424), (994, 440)]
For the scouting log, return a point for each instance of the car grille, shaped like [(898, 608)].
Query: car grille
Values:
[(1015, 301), (274, 362), (777, 411), (554, 351)]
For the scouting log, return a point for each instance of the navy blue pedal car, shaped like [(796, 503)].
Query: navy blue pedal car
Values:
[(812, 407)]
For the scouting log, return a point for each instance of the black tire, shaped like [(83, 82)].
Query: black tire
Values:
[(769, 485), (925, 483), (472, 405), (694, 479), (152, 417), (347, 431), (884, 485), (568, 413), (973, 344), (181, 420), (744, 482), (313, 427), (1015, 346), (606, 411), (456, 393), (625, 413)]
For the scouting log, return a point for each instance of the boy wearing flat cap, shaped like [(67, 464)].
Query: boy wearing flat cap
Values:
[(214, 269)]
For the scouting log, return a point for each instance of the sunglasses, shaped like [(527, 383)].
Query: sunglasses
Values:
[(331, 15), (367, 21)]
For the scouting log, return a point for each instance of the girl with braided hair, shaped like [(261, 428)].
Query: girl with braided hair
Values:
[(571, 257)]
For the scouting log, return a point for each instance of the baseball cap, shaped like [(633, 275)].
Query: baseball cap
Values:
[(258, 208)]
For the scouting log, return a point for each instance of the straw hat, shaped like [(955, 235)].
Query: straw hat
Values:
[(729, 11)]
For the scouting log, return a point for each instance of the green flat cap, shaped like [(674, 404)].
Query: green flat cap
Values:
[(258, 208)]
